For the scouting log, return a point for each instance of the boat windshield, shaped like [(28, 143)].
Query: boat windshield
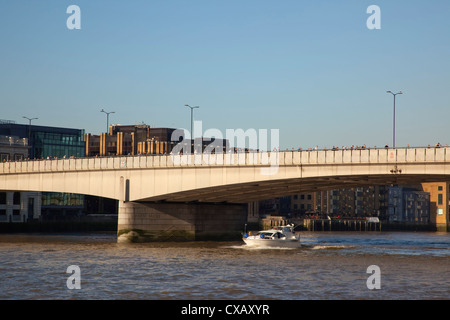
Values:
[(265, 234), (271, 235), (285, 229)]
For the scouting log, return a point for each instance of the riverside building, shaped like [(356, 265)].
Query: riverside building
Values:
[(17, 206), (122, 140), (439, 203), (129, 140), (345, 202), (46, 142)]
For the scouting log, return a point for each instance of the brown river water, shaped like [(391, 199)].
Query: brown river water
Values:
[(328, 266)]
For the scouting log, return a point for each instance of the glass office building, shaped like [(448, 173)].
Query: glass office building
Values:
[(48, 141), (52, 142), (58, 144)]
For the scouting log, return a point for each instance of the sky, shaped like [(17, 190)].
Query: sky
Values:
[(310, 68)]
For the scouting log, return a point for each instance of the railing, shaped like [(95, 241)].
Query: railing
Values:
[(376, 156)]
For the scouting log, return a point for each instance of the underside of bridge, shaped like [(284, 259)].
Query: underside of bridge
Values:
[(256, 191), (220, 212)]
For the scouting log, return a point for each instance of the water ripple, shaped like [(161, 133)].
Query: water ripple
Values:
[(326, 266)]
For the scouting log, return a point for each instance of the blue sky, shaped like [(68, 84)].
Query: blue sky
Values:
[(311, 69)]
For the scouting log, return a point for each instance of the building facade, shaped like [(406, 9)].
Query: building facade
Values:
[(306, 203), (143, 140), (13, 148), (408, 205), (425, 203), (346, 202), (48, 143), (368, 201), (129, 140), (439, 203), (17, 206)]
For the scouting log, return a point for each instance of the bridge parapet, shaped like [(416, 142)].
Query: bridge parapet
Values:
[(376, 156)]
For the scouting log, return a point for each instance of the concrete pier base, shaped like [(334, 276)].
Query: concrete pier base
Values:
[(147, 222)]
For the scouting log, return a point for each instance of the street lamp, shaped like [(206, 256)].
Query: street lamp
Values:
[(107, 119), (29, 126), (394, 94), (192, 121)]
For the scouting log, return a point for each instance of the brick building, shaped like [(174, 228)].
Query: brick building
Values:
[(439, 203)]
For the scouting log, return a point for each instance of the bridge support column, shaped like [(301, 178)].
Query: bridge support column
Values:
[(147, 222)]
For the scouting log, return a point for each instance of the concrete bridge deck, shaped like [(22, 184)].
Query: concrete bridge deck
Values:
[(233, 178)]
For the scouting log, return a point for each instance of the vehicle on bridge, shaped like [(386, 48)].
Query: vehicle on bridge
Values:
[(277, 237)]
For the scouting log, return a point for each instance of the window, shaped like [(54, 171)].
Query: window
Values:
[(62, 199), (16, 198), (3, 215), (2, 197), (440, 199), (439, 188)]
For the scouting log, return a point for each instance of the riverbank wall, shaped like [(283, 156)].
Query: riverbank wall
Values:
[(96, 224), (364, 225), (89, 223), (348, 225)]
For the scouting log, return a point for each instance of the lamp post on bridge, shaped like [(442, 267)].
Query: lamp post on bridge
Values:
[(29, 126), (192, 124), (107, 119), (394, 94), (30, 147)]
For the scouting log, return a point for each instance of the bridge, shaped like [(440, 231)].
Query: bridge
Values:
[(185, 196)]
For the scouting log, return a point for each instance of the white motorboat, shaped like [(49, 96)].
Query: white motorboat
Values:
[(277, 237)]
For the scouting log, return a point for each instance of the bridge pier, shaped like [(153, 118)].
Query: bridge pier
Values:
[(147, 222)]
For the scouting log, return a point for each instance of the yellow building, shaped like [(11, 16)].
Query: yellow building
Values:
[(439, 203), (129, 140)]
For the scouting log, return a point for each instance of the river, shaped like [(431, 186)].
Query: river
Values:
[(328, 265)]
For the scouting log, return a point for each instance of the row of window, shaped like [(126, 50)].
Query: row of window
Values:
[(302, 197), (16, 198), (302, 207), (48, 199), (62, 199), (58, 151), (58, 138), (15, 212)]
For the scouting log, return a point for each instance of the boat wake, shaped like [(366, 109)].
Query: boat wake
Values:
[(247, 247), (301, 246), (330, 247)]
